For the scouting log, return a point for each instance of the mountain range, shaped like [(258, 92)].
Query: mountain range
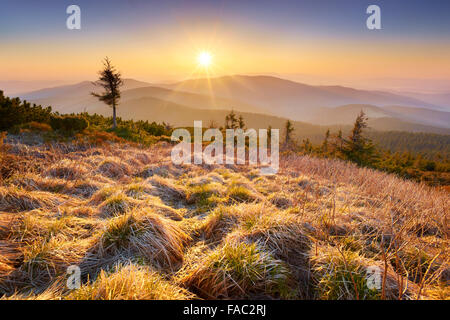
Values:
[(260, 97)]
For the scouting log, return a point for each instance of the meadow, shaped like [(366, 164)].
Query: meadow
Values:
[(140, 227)]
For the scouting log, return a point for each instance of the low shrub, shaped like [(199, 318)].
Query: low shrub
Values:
[(68, 124)]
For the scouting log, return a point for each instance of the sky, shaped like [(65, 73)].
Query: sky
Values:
[(323, 41)]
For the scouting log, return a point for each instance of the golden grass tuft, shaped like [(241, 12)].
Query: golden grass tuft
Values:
[(222, 220), (241, 192), (238, 270), (281, 233), (45, 259), (15, 200), (340, 274), (67, 169), (130, 282), (157, 206), (116, 204), (143, 233), (167, 190), (113, 167)]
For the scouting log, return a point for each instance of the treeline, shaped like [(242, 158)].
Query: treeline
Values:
[(431, 165), (429, 145), (17, 115), (14, 112)]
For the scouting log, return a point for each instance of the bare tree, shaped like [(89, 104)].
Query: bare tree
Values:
[(110, 80)]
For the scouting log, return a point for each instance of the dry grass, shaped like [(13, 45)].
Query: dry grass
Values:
[(237, 270), (130, 282), (67, 169), (146, 234), (140, 227), (113, 167), (15, 200)]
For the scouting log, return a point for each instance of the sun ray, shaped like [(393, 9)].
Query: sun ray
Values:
[(204, 59)]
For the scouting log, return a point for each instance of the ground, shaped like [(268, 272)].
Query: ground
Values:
[(140, 227)]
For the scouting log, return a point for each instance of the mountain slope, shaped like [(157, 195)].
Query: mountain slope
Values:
[(346, 115), (321, 105), (290, 99), (81, 89), (154, 109), (439, 99), (77, 98), (421, 115)]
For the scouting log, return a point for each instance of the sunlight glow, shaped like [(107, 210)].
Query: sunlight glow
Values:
[(204, 59)]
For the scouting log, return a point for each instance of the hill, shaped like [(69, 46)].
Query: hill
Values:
[(288, 98), (140, 227), (263, 95), (418, 118)]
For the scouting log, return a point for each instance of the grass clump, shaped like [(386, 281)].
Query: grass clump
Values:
[(415, 263), (238, 270), (241, 194), (44, 259), (67, 169), (15, 199), (144, 234), (156, 205), (205, 196), (224, 219), (116, 204), (130, 282), (104, 193), (342, 275), (135, 190), (113, 168), (167, 190)]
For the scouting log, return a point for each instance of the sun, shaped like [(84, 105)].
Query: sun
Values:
[(204, 59)]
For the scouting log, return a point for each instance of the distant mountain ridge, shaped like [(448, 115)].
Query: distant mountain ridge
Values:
[(77, 90), (287, 96), (285, 99)]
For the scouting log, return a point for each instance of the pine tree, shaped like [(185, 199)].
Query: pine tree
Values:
[(307, 146), (241, 123), (289, 128), (340, 140), (110, 80), (231, 121), (325, 143), (358, 148)]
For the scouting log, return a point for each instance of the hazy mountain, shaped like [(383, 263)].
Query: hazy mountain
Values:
[(193, 100), (82, 89), (154, 109), (439, 99), (390, 124), (290, 99), (346, 115), (11, 88), (180, 103), (77, 98), (420, 115)]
